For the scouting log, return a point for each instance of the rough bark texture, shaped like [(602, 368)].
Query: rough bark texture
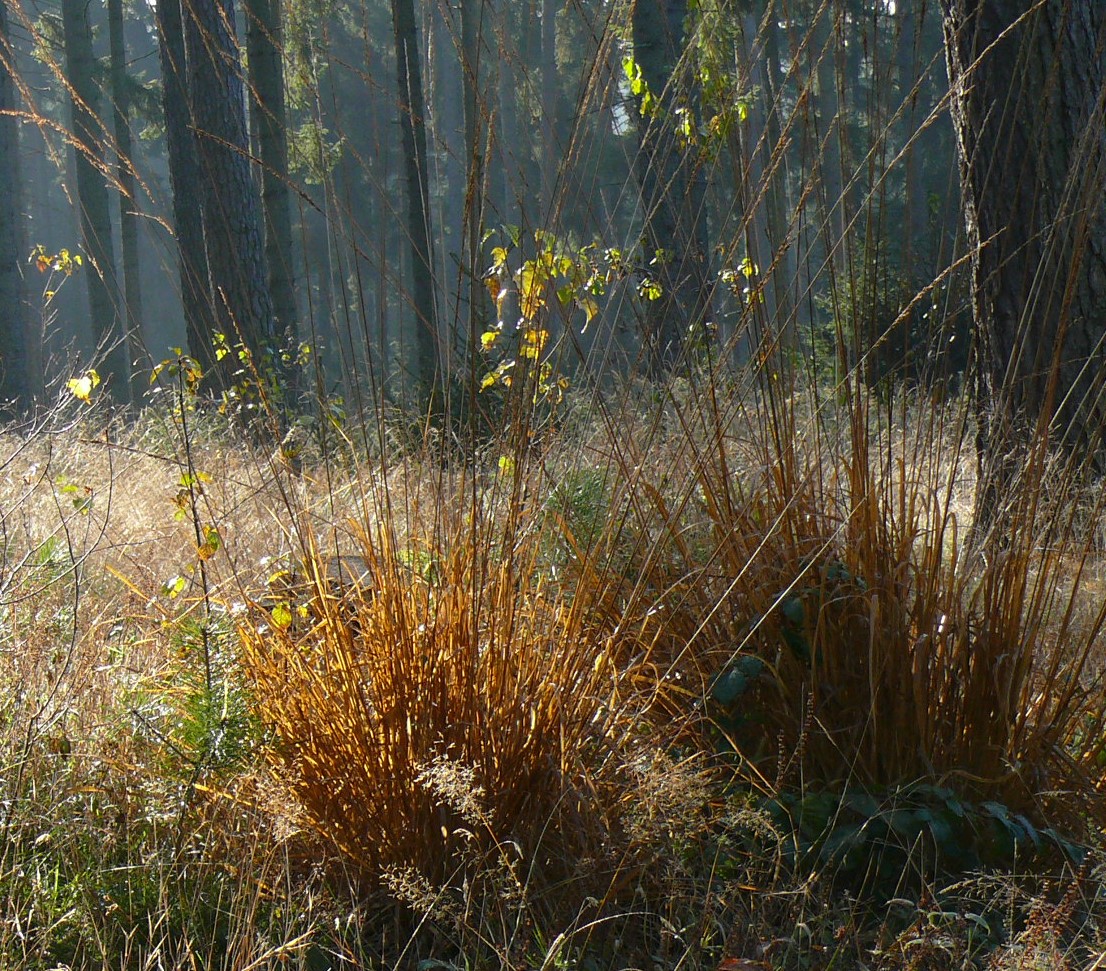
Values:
[(472, 16), (128, 200), (1028, 110), (184, 178), (16, 381), (232, 218), (412, 115), (263, 44), (449, 126), (92, 196), (672, 188)]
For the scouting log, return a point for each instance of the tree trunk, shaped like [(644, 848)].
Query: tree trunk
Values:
[(550, 84), (829, 122), (1028, 110), (449, 126), (232, 220), (412, 115), (472, 15), (264, 46), (92, 197), (17, 383), (128, 200), (184, 180), (671, 184)]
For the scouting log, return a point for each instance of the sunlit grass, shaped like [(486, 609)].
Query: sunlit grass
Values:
[(657, 687)]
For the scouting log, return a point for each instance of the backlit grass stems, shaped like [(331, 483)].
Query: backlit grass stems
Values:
[(467, 669), (827, 539)]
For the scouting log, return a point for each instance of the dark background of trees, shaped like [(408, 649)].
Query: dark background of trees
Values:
[(764, 182)]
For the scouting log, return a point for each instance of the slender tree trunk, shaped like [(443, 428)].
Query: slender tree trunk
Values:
[(472, 15), (412, 115), (550, 85), (17, 382), (264, 46), (671, 184), (1028, 96), (829, 120), (755, 162), (232, 219), (780, 232), (92, 199), (128, 199), (184, 180), (449, 130)]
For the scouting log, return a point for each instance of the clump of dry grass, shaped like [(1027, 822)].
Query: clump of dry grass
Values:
[(889, 649), (463, 709)]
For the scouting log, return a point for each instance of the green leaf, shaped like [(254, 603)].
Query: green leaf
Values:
[(730, 686), (793, 611)]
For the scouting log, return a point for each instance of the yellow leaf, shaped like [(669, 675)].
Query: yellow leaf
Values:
[(491, 281), (488, 339), (282, 616), (489, 380), (81, 388), (212, 542), (533, 343), (530, 287), (590, 308)]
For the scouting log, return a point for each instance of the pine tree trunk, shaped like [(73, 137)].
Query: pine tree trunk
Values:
[(231, 212), (17, 382), (128, 200), (472, 15), (184, 180), (412, 118), (264, 45), (92, 196), (1028, 92), (672, 186)]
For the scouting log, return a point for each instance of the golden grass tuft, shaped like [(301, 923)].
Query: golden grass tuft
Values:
[(460, 708), (891, 648)]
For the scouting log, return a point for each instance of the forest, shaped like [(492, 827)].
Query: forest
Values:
[(552, 484)]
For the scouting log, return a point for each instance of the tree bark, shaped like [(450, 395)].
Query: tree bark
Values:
[(184, 180), (17, 383), (92, 198), (263, 44), (128, 200), (231, 213), (412, 118), (672, 187), (1028, 110), (475, 105)]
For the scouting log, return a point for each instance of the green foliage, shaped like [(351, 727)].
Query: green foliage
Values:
[(213, 728), (895, 843)]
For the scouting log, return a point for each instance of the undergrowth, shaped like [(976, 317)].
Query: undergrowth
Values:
[(710, 676)]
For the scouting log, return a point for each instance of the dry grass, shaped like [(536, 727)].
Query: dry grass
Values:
[(536, 736)]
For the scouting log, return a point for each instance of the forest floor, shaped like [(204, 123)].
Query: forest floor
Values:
[(709, 679)]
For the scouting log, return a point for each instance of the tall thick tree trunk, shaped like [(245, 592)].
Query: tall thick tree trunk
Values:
[(412, 118), (232, 218), (17, 382), (184, 179), (92, 199), (671, 183), (1028, 93), (128, 200), (264, 46)]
